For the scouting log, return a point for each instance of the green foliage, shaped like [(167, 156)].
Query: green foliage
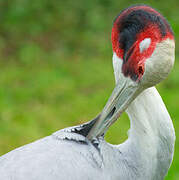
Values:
[(56, 71)]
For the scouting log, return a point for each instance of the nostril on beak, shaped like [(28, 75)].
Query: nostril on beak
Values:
[(111, 113)]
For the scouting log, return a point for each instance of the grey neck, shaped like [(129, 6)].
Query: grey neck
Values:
[(151, 133)]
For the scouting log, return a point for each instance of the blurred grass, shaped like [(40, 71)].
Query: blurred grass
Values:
[(56, 68)]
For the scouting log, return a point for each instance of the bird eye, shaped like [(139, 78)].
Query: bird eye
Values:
[(144, 44)]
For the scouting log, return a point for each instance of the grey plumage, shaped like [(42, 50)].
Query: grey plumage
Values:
[(63, 155)]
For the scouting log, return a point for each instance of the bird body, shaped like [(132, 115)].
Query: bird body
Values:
[(50, 158), (143, 55), (146, 154)]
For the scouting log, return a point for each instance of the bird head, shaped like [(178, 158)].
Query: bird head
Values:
[(143, 41), (143, 55)]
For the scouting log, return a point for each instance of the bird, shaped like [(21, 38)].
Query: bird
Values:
[(143, 47)]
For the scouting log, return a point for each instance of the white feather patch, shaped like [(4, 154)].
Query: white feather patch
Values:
[(117, 64), (144, 44)]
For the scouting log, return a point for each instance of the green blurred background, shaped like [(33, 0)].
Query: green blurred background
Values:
[(56, 68)]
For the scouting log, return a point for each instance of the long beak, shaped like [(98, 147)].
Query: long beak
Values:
[(123, 94)]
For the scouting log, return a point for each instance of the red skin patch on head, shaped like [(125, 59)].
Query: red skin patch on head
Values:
[(136, 60)]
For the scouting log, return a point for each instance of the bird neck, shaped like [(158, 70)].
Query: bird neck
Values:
[(148, 115), (151, 131)]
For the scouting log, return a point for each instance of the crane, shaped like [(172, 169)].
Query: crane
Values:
[(143, 55)]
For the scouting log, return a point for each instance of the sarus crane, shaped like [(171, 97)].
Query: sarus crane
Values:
[(143, 55)]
